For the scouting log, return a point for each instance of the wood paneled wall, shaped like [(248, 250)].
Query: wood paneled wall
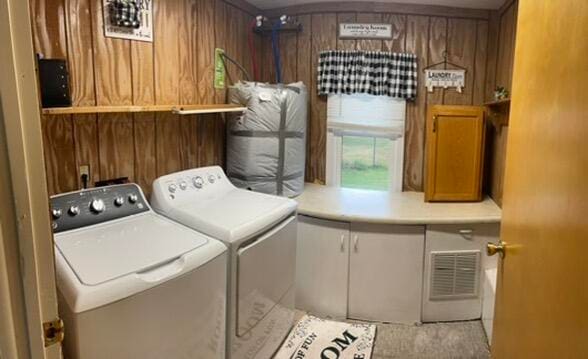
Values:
[(177, 68), (503, 32), (462, 33)]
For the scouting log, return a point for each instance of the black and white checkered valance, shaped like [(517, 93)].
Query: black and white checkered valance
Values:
[(371, 72)]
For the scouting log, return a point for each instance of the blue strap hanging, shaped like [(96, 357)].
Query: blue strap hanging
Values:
[(276, 50)]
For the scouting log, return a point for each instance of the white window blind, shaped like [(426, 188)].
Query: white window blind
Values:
[(368, 115)]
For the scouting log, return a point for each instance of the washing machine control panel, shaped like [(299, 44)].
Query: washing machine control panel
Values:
[(88, 207)]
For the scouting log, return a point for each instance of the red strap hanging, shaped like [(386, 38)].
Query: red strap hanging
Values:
[(252, 51)]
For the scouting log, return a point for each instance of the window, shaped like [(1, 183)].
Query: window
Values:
[(365, 141)]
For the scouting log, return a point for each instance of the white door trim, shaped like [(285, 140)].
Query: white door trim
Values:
[(29, 210)]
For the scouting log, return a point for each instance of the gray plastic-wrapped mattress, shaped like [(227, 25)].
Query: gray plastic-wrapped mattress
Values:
[(266, 146)]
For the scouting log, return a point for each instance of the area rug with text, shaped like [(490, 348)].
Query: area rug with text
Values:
[(319, 338)]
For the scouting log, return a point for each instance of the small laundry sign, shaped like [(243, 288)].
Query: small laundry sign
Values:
[(365, 31), (128, 19), (445, 79)]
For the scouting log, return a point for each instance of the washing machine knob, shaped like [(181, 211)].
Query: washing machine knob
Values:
[(74, 210), (119, 201), (56, 213), (211, 179), (198, 182), (97, 206), (172, 188), (133, 198)]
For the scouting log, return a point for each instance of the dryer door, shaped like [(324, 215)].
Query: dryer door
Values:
[(265, 270)]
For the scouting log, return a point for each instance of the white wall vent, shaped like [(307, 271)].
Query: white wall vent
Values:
[(454, 275)]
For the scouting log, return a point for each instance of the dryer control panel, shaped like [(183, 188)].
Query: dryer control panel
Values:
[(189, 186), (88, 207)]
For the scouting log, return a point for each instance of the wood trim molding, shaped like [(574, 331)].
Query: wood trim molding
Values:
[(380, 7), (507, 4), (245, 6)]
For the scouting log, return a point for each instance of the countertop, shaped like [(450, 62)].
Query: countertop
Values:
[(354, 205)]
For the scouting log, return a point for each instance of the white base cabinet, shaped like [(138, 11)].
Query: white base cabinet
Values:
[(385, 272), (359, 271), (322, 267), (392, 273)]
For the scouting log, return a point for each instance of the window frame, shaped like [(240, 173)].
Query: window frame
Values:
[(334, 150)]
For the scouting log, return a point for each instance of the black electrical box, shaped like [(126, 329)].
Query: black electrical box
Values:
[(54, 81)]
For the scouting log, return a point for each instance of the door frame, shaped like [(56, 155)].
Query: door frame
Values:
[(27, 279)]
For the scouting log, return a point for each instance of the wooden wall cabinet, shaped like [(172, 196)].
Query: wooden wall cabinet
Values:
[(455, 153)]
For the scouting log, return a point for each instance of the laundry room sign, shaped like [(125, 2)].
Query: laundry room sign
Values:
[(445, 79), (128, 19), (365, 31)]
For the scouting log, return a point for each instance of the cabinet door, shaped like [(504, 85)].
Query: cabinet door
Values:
[(455, 152), (322, 267), (386, 272), (463, 299)]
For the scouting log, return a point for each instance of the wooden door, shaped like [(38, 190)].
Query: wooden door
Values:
[(322, 266), (542, 293), (455, 152), (386, 272)]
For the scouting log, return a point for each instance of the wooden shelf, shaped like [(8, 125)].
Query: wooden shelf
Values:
[(498, 112), (203, 109), (177, 109), (498, 103)]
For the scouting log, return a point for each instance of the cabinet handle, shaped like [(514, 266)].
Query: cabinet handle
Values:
[(343, 243), (467, 233), (355, 242), (434, 123)]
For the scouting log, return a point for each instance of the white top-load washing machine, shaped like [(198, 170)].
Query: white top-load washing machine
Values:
[(134, 284), (260, 231)]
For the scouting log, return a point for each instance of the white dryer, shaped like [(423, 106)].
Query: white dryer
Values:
[(260, 232), (134, 284)]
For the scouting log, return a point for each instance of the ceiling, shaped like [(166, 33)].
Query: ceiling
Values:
[(473, 4)]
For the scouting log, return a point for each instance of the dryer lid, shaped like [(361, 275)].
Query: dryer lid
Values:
[(234, 215), (114, 249)]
